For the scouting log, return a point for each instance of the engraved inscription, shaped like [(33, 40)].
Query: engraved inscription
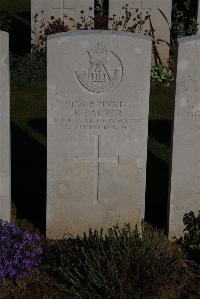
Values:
[(97, 115), (103, 72), (97, 159), (188, 115)]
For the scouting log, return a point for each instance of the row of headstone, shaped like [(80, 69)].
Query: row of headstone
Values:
[(98, 98), (73, 12)]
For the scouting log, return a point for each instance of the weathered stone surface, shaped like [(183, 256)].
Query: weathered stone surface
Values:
[(151, 7), (5, 203), (185, 181), (98, 100), (198, 17), (64, 9)]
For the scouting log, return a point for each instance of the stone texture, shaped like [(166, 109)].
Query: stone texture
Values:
[(185, 181), (98, 99), (198, 17), (150, 6), (59, 8), (5, 203)]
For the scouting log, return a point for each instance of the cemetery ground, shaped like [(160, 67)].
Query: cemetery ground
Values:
[(129, 265)]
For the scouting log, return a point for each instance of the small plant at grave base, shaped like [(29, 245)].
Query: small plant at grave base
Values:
[(161, 74), (20, 251), (123, 263), (191, 237)]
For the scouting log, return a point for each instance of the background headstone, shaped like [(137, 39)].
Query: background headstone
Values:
[(185, 180), (147, 6), (98, 100), (59, 9), (5, 202), (198, 17)]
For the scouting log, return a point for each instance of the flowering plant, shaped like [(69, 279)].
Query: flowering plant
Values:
[(20, 251)]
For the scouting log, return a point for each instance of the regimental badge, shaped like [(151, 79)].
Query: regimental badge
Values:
[(104, 71)]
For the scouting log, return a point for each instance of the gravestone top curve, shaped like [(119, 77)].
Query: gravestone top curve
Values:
[(99, 32)]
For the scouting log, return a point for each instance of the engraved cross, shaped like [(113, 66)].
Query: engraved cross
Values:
[(97, 159), (141, 6), (64, 9)]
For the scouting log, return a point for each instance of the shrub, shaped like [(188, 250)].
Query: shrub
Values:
[(191, 238), (19, 251), (161, 74), (125, 263), (55, 25)]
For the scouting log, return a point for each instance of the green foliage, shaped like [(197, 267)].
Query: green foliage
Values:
[(124, 263), (161, 74), (191, 238)]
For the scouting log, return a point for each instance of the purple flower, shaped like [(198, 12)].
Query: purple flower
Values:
[(20, 251)]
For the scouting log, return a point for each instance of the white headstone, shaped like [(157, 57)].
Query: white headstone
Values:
[(5, 202), (185, 181), (158, 21), (198, 17), (45, 9), (98, 100)]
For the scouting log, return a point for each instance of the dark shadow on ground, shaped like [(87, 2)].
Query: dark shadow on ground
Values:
[(161, 131), (28, 159), (39, 125), (157, 178)]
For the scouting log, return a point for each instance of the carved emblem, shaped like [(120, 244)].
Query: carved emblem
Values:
[(103, 71)]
